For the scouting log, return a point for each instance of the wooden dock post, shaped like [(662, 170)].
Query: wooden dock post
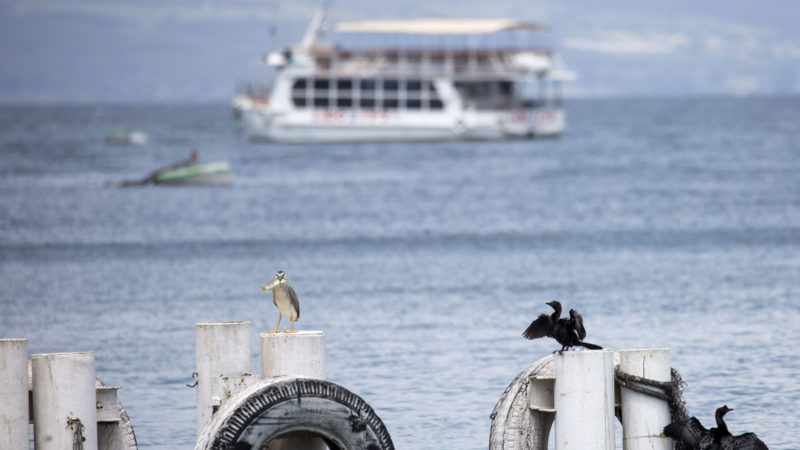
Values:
[(643, 416), (64, 401), (584, 399), (221, 348), (14, 410)]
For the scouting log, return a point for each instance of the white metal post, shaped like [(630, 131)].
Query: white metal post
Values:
[(64, 387), (222, 348), (584, 399), (643, 416), (14, 393), (300, 354)]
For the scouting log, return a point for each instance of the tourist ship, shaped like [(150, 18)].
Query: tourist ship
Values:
[(449, 85)]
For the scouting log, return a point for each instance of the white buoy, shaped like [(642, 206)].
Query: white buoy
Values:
[(64, 401), (584, 399), (14, 393), (300, 354), (643, 416), (222, 349)]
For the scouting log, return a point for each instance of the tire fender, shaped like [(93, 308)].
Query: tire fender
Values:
[(515, 425), (282, 405)]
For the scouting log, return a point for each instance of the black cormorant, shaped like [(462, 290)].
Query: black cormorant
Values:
[(567, 332), (693, 434)]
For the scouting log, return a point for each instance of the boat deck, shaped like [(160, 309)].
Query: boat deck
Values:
[(462, 63)]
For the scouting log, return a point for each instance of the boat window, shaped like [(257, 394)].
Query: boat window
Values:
[(414, 85), (321, 83), (486, 95), (321, 102), (390, 85), (344, 84), (367, 103), (344, 102), (299, 101), (390, 103), (434, 102), (413, 103), (367, 85), (299, 83)]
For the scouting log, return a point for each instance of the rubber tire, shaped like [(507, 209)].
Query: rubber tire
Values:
[(515, 426), (285, 405)]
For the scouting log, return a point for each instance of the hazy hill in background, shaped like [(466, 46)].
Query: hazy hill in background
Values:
[(186, 50)]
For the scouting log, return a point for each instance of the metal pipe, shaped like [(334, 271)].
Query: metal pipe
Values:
[(64, 401), (643, 416), (14, 416), (584, 399)]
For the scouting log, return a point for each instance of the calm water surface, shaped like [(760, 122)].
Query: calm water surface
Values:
[(668, 223)]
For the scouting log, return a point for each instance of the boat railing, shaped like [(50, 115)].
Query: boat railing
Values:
[(256, 91), (453, 63)]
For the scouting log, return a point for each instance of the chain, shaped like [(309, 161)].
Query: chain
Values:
[(78, 439)]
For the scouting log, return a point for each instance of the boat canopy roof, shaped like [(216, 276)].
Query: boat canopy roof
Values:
[(437, 26)]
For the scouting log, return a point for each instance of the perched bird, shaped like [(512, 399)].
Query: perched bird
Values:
[(284, 297), (544, 324), (567, 332), (576, 321), (693, 434)]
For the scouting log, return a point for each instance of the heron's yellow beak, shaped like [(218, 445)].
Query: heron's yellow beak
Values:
[(270, 285)]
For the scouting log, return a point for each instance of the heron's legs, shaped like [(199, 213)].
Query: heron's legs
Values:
[(292, 330), (276, 325)]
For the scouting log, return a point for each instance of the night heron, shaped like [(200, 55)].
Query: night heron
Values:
[(284, 297)]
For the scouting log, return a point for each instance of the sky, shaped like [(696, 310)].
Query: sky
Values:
[(55, 51)]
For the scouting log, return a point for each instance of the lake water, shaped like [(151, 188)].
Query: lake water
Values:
[(666, 223)]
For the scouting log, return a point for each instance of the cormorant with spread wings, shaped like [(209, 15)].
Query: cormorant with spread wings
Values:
[(569, 332)]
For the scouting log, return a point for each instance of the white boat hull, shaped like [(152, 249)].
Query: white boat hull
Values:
[(354, 126)]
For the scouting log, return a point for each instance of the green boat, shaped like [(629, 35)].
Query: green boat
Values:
[(214, 173)]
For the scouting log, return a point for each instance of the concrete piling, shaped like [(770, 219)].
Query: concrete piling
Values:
[(14, 415), (221, 348), (644, 416), (584, 400), (64, 401), (300, 354)]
